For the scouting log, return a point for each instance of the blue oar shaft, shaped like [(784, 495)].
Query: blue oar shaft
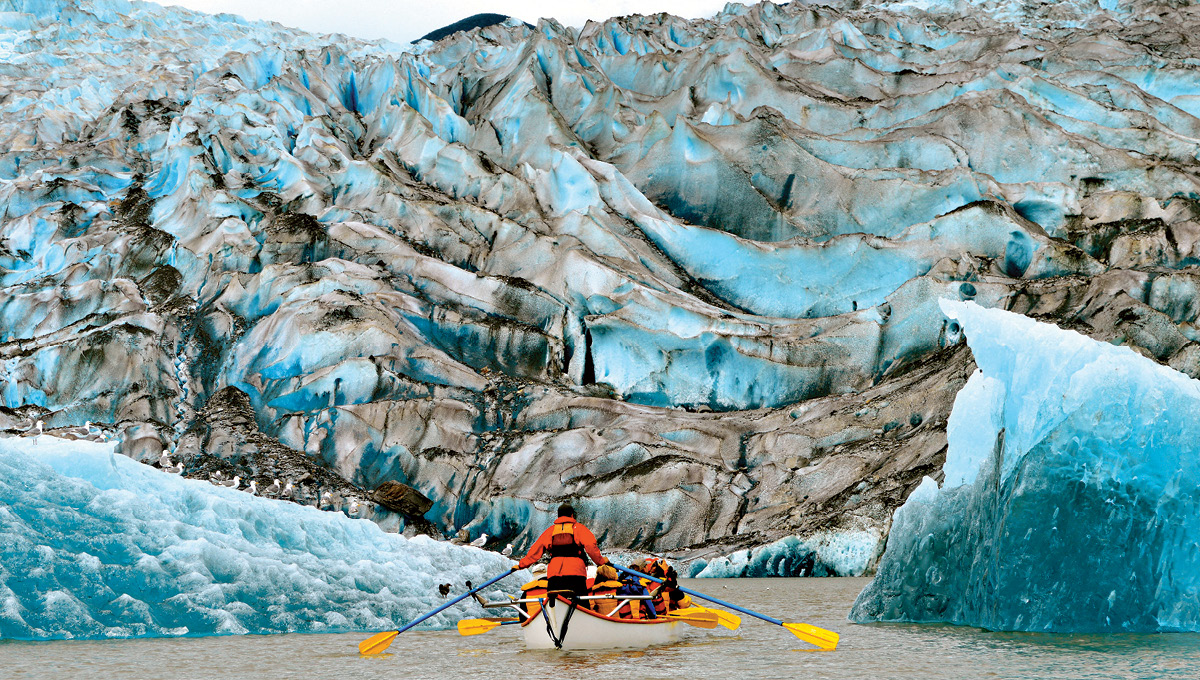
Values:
[(455, 601), (702, 596)]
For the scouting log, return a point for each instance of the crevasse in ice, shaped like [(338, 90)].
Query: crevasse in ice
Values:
[(1072, 493), (95, 545)]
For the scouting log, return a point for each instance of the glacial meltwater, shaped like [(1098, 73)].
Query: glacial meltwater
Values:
[(758, 650)]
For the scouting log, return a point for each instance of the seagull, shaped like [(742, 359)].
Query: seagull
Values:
[(39, 432), (353, 508), (287, 490), (233, 483), (174, 469), (253, 488), (326, 499), (507, 550), (78, 432), (163, 461), (444, 589), (273, 489), (480, 542)]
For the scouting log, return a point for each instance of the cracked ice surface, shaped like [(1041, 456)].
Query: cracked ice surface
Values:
[(1059, 446), (95, 545)]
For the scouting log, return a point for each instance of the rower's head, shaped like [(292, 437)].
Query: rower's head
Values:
[(566, 510)]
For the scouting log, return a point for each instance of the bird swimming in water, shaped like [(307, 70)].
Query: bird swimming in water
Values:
[(507, 550), (444, 589), (480, 542)]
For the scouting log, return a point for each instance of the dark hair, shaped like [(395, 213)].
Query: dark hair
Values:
[(566, 510)]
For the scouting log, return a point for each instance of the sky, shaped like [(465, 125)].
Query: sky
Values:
[(405, 20)]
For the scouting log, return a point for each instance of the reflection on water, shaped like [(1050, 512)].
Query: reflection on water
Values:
[(758, 650)]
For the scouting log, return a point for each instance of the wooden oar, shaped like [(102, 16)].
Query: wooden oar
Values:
[(477, 626), (825, 639), (380, 641), (730, 621)]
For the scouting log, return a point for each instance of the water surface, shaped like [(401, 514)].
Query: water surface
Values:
[(757, 650)]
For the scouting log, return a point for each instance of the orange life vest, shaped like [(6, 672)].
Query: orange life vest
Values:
[(605, 607)]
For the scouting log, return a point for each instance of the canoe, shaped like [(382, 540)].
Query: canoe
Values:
[(591, 630)]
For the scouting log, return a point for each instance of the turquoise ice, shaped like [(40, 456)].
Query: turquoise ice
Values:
[(1071, 501), (95, 545)]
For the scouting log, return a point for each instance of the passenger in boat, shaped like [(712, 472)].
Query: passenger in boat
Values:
[(568, 543), (668, 597), (631, 586), (607, 584), (535, 588)]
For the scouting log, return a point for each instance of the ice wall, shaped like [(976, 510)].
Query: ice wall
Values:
[(1071, 501), (95, 545), (524, 264)]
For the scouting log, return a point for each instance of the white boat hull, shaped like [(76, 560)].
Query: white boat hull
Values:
[(589, 630)]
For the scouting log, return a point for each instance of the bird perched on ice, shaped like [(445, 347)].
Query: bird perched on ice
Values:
[(287, 490), (444, 589), (78, 432), (272, 490), (174, 469), (233, 483), (354, 506), (253, 488), (480, 542), (507, 550), (164, 461), (326, 499)]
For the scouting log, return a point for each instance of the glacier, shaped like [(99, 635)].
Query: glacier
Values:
[(1069, 502), (96, 545), (685, 272)]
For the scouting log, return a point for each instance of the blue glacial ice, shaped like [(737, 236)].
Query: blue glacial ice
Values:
[(95, 545), (1071, 501), (827, 553)]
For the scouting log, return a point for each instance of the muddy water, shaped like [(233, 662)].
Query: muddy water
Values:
[(757, 650)]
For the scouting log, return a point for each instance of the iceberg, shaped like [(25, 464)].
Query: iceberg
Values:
[(95, 545), (829, 553), (1071, 501)]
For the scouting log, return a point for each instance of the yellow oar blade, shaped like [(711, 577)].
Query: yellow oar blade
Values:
[(475, 626), (699, 620), (730, 621), (825, 639), (377, 643)]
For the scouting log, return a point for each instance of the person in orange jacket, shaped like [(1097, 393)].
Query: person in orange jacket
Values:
[(568, 543)]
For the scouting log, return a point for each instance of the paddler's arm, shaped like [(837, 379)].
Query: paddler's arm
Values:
[(535, 552), (585, 536)]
